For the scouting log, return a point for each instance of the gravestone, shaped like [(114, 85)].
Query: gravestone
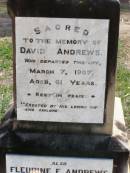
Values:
[(64, 64), (63, 119)]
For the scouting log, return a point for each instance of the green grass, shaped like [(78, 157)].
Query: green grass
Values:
[(5, 98), (5, 54), (5, 75), (123, 81)]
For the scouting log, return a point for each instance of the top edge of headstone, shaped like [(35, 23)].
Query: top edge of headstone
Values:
[(23, 7)]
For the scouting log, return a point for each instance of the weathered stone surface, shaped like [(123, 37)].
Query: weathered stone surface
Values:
[(99, 9)]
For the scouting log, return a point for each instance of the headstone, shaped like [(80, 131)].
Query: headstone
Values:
[(64, 72), (65, 62)]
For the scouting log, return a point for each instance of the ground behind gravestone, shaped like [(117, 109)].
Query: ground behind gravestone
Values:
[(123, 70), (123, 74), (125, 35)]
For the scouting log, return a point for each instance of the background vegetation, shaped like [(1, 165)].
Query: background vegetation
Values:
[(123, 80), (5, 75)]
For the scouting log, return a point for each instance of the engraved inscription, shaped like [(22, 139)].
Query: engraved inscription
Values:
[(61, 69), (37, 164)]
